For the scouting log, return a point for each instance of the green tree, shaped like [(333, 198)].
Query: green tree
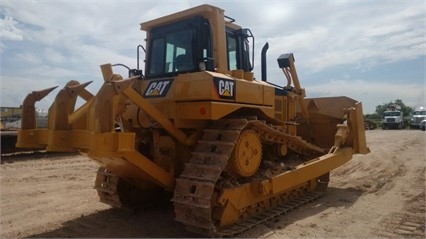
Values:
[(406, 110)]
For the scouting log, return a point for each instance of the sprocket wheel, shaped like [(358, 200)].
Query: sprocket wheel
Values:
[(247, 153)]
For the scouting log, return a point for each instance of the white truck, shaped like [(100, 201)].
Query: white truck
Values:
[(393, 118), (417, 116)]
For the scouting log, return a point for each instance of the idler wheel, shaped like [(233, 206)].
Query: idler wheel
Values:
[(247, 153)]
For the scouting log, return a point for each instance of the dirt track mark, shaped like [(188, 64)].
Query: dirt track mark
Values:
[(410, 223), (370, 196)]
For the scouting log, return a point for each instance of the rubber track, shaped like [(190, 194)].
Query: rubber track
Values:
[(195, 187)]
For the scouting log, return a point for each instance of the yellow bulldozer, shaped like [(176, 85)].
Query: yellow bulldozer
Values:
[(231, 151)]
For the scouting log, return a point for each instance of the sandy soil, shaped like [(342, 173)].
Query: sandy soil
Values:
[(381, 194)]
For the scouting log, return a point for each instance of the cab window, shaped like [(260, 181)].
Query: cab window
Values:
[(232, 52), (178, 48), (238, 49), (172, 53)]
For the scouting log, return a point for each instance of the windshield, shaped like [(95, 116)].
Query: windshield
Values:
[(172, 53), (178, 47), (392, 113), (419, 113)]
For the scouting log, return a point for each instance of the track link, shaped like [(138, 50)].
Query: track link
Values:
[(197, 187), (106, 185), (267, 215)]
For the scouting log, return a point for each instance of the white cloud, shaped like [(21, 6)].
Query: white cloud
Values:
[(9, 29), (28, 57), (67, 40), (348, 33), (54, 56)]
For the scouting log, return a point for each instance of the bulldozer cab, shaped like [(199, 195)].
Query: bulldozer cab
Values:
[(171, 48), (184, 43)]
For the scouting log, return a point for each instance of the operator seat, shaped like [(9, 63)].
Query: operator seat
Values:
[(183, 63)]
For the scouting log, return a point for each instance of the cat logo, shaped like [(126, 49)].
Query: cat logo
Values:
[(157, 88), (225, 88)]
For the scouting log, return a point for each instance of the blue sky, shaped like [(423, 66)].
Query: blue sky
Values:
[(372, 51)]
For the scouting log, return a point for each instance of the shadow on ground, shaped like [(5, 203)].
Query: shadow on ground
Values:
[(155, 222), (158, 222)]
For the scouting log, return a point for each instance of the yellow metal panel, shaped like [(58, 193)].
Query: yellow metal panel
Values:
[(332, 106), (194, 110), (104, 143), (121, 145), (311, 170), (323, 129), (194, 86), (78, 119), (268, 95), (81, 139), (213, 110), (249, 194), (32, 138), (71, 140), (125, 142), (60, 141), (155, 114), (107, 72), (199, 10), (156, 173), (249, 92), (359, 128), (217, 24)]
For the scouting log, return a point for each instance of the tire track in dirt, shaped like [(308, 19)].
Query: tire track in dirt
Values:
[(377, 195), (410, 223)]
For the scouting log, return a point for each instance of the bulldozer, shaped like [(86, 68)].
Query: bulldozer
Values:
[(229, 151)]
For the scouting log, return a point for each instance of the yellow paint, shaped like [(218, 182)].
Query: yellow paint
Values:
[(113, 124)]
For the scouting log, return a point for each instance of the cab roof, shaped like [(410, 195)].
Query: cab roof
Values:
[(204, 10)]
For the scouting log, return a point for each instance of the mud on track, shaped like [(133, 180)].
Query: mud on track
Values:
[(381, 194)]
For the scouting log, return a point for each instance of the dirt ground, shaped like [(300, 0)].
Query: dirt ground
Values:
[(381, 194)]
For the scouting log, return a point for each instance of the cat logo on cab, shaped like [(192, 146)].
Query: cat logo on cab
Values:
[(157, 88), (225, 88)]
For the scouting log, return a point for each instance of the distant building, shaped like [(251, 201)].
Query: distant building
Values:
[(10, 112)]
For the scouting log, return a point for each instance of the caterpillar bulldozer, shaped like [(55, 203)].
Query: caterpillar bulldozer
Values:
[(229, 150)]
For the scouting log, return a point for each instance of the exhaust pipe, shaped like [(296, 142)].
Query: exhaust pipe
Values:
[(263, 61)]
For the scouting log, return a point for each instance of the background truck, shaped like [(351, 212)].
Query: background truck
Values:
[(393, 118), (417, 116), (230, 151)]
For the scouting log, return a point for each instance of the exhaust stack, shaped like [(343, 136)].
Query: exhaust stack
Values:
[(263, 61)]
